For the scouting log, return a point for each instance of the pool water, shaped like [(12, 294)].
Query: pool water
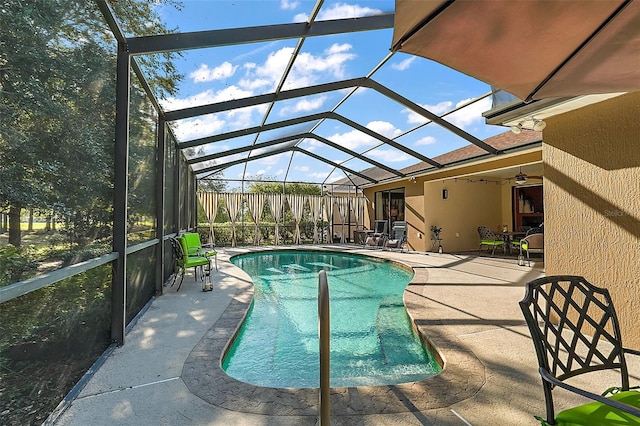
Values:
[(372, 341)]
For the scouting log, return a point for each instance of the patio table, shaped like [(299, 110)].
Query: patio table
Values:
[(508, 237)]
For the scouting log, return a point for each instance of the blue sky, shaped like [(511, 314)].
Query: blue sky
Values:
[(239, 71)]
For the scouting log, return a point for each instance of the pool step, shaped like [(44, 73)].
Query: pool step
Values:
[(392, 333)]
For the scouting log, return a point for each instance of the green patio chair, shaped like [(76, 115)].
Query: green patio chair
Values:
[(195, 247), (490, 239), (532, 243), (184, 261), (515, 243), (575, 330)]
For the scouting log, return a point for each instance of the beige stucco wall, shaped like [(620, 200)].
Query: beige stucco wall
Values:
[(592, 201), (414, 213), (469, 205)]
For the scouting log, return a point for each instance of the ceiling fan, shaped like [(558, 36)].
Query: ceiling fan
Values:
[(521, 178)]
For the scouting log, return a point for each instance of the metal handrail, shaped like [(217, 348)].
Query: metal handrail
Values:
[(20, 288), (324, 342), (15, 290)]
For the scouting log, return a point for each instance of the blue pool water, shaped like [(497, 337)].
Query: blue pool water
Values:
[(372, 341)]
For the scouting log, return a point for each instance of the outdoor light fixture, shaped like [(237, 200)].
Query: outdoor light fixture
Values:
[(539, 125), (520, 177), (445, 194)]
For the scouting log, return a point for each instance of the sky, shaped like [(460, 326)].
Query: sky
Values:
[(232, 72)]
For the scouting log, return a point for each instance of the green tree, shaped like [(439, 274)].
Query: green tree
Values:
[(213, 183), (265, 186), (57, 85)]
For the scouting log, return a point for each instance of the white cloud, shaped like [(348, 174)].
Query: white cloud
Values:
[(438, 109), (268, 73), (390, 155), (300, 17), (202, 98), (272, 160), (338, 48), (197, 127), (427, 140), (307, 69), (205, 97), (204, 73), (384, 128), (340, 11), (253, 84), (403, 65), (355, 139), (213, 123), (229, 158), (463, 118), (471, 114), (288, 4), (301, 168), (319, 175), (304, 105)]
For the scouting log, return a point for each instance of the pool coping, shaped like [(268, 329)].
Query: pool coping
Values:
[(462, 377)]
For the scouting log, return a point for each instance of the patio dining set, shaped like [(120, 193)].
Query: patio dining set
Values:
[(526, 240)]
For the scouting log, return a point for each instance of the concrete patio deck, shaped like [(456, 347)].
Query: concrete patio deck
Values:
[(168, 371)]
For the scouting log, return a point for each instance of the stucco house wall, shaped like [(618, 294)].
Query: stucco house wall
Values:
[(469, 204), (591, 160)]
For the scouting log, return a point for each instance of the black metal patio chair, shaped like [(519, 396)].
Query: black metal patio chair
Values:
[(575, 330), (490, 239)]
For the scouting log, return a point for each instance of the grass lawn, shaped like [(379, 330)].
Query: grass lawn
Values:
[(36, 237), (37, 226)]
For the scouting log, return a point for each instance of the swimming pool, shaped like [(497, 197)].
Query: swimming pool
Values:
[(372, 341)]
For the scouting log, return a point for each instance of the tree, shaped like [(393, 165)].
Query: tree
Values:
[(267, 186), (57, 106), (213, 183)]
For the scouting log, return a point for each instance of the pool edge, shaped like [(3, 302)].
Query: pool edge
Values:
[(463, 375)]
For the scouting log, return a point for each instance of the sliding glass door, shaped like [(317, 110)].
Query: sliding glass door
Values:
[(389, 205)]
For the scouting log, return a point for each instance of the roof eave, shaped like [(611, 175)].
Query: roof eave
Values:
[(483, 158), (513, 112)]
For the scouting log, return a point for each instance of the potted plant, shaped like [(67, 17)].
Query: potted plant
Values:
[(436, 232), (436, 238)]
